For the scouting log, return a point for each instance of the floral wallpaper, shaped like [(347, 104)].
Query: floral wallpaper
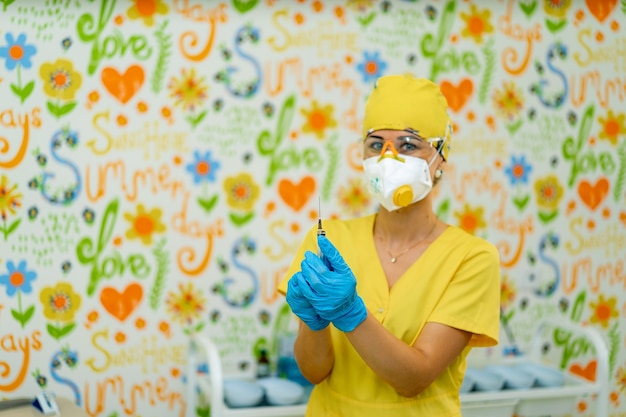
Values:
[(160, 161)]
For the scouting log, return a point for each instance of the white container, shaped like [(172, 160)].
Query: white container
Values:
[(489, 408)]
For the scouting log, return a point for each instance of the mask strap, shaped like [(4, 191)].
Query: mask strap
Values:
[(432, 159)]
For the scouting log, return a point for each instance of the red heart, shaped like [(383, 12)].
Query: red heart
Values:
[(120, 305), (296, 195), (588, 372), (123, 86), (593, 195)]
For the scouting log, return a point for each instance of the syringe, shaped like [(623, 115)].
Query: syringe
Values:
[(320, 230)]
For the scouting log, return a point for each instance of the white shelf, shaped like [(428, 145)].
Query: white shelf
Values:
[(532, 402)]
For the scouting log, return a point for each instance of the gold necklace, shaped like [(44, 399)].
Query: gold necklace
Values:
[(393, 258)]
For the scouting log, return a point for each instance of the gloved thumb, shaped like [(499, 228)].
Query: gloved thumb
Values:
[(332, 255)]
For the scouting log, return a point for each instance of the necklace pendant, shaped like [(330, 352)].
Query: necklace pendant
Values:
[(393, 259)]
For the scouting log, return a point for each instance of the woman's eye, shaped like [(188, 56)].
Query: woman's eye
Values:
[(376, 146)]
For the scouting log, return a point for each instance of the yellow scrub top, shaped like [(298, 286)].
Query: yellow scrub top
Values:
[(456, 282)]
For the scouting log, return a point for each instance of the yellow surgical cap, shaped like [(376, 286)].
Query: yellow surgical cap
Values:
[(401, 102)]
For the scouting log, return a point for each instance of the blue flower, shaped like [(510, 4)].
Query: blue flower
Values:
[(17, 52), (372, 66), (18, 278), (203, 168), (519, 170)]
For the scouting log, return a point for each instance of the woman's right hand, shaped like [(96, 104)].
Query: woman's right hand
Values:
[(301, 307)]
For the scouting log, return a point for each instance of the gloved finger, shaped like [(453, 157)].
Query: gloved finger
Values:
[(303, 288), (332, 255), (312, 262), (313, 268), (293, 287)]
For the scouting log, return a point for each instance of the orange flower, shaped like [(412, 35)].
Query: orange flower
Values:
[(471, 220), (146, 10), (603, 311), (144, 224), (477, 23), (318, 119)]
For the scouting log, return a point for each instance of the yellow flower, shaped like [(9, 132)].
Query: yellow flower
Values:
[(146, 9), (359, 5), (508, 101), (507, 291), (241, 191), (354, 197), (549, 192), (186, 305), (9, 197), (612, 126), (60, 302), (60, 81), (620, 378), (476, 23), (603, 311), (471, 220), (144, 224), (556, 8), (189, 91), (318, 119)]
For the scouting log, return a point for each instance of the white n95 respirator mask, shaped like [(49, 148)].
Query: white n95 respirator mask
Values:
[(397, 182)]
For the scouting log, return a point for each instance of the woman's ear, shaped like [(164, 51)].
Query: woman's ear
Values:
[(438, 173)]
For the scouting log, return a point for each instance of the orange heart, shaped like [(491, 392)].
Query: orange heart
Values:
[(120, 305), (588, 372), (123, 86), (296, 195), (593, 195), (457, 96), (601, 9), (622, 217)]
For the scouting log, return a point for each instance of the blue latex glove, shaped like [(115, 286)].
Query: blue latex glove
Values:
[(302, 307), (331, 287)]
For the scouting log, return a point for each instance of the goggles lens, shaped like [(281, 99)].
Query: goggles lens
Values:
[(408, 144)]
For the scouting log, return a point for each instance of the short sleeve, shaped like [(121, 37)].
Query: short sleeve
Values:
[(471, 302)]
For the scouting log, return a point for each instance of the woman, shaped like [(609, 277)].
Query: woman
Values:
[(391, 308)]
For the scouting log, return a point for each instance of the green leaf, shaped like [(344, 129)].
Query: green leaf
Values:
[(16, 90), (208, 203), (555, 25), (244, 6), (17, 315), (28, 314), (513, 127), (194, 120), (507, 317), (27, 90), (59, 111), (53, 331), (240, 220), (366, 20), (547, 217), (12, 227), (23, 317), (528, 7), (65, 330), (520, 202), (63, 110)]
